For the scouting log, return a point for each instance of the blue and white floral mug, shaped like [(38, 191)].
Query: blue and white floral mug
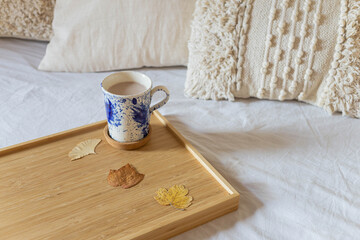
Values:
[(128, 116)]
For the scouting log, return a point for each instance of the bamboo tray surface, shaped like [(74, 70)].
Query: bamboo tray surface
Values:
[(44, 195)]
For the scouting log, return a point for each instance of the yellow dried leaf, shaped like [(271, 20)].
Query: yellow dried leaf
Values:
[(175, 196)]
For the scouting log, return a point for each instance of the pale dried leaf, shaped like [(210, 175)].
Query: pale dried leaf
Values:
[(84, 148)]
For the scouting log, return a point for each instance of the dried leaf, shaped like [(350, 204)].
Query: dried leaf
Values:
[(175, 196), (126, 177), (84, 148)]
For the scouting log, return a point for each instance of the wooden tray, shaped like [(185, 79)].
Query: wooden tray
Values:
[(45, 195)]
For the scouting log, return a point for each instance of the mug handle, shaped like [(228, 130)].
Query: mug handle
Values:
[(162, 102)]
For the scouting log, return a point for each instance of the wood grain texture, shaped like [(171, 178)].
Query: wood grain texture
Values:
[(43, 195)]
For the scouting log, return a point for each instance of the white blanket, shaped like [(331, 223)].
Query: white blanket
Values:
[(297, 168)]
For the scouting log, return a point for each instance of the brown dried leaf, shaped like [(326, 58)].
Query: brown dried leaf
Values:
[(126, 177)]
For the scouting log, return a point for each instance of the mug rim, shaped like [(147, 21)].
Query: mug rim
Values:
[(131, 95)]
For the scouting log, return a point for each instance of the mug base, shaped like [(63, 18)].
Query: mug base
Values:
[(126, 145)]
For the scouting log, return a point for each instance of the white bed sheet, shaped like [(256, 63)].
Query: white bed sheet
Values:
[(296, 167)]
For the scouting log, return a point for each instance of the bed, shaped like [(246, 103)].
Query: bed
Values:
[(296, 168)]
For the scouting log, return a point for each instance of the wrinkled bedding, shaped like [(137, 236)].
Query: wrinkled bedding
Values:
[(296, 167)]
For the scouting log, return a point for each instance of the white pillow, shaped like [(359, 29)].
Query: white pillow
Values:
[(277, 49), (103, 35)]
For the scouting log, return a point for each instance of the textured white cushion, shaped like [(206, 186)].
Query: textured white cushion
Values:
[(103, 35), (277, 49), (26, 19)]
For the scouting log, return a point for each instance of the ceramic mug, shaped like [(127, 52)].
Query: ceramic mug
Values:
[(128, 116)]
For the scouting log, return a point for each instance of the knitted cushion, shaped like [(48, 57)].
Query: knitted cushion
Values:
[(26, 19), (277, 49)]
